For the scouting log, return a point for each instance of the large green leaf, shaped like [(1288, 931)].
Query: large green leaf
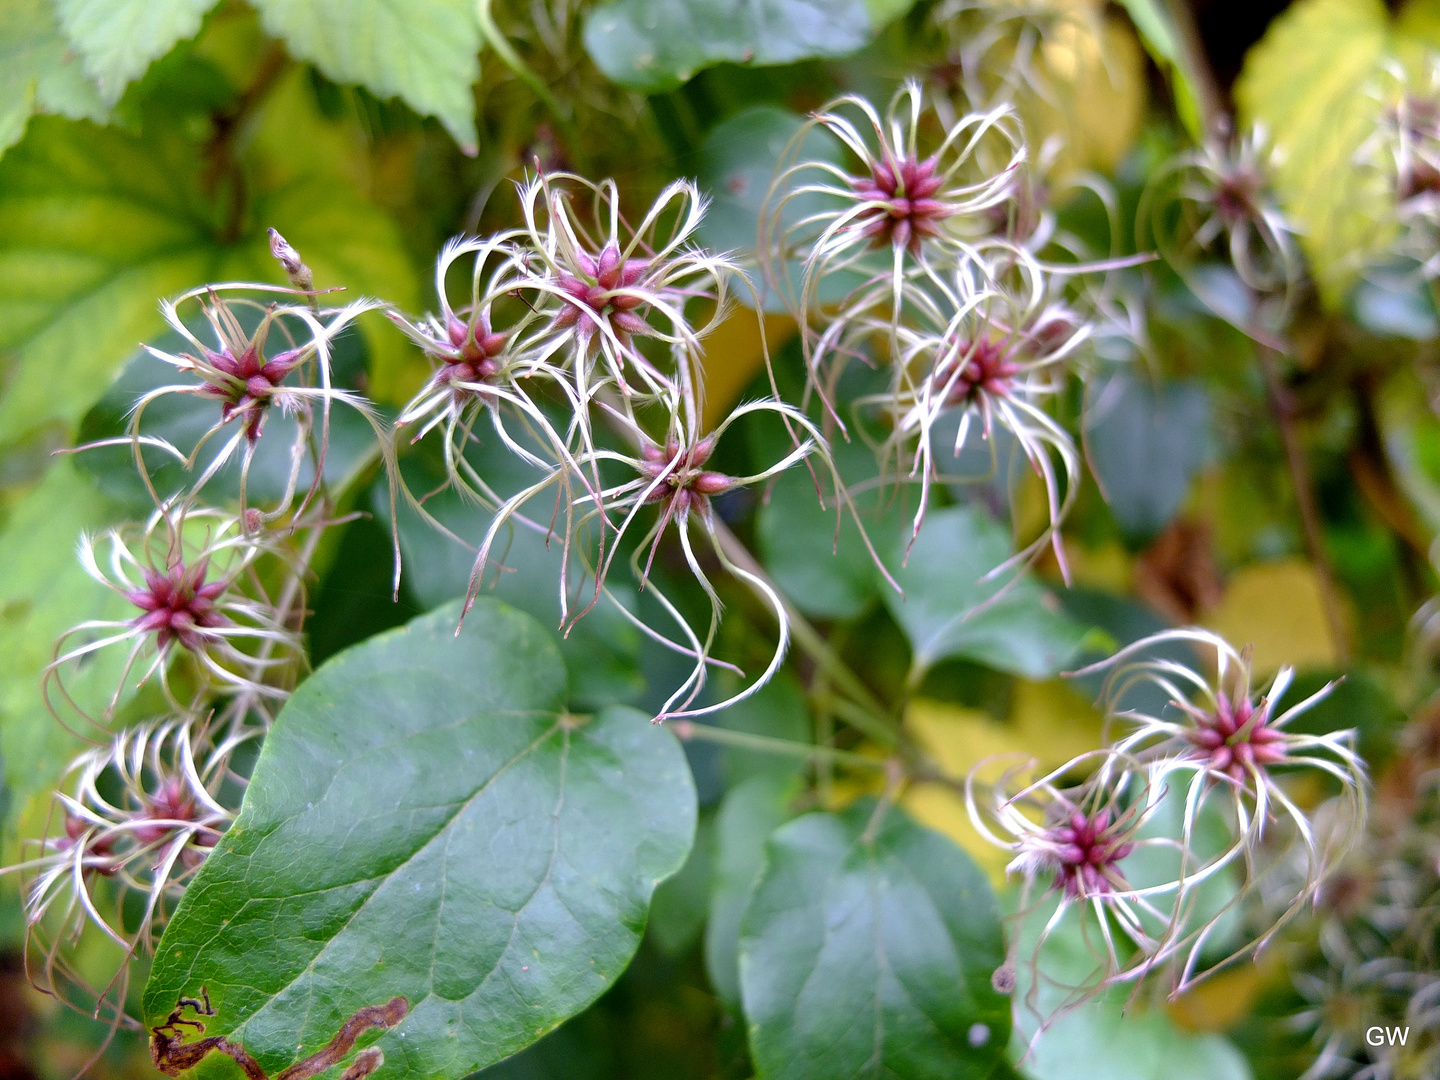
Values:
[(655, 45), (37, 71), (118, 39), (750, 812), (949, 611), (43, 593), (818, 557), (96, 225), (868, 952), (425, 52), (1107, 1037), (738, 164), (424, 820), (1162, 40), (601, 651)]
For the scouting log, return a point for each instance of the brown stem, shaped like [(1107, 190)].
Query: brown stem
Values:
[(224, 166), (1370, 466), (1214, 116), (1282, 407)]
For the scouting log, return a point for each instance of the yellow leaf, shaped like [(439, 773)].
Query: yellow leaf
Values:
[(1277, 608), (1107, 566), (1053, 722), (734, 352), (1049, 722), (1312, 82), (1099, 70), (1222, 1001)]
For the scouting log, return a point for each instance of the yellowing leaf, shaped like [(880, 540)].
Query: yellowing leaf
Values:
[(1049, 722), (957, 739), (1312, 82), (1106, 566), (1276, 607), (1053, 722), (1222, 1001), (734, 352), (1098, 71)]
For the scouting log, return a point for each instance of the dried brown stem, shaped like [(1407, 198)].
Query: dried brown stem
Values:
[(1282, 408)]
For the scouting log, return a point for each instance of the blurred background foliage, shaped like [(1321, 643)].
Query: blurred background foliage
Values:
[(148, 145)]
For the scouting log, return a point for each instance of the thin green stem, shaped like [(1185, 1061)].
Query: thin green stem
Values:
[(742, 740), (871, 716), (503, 49)]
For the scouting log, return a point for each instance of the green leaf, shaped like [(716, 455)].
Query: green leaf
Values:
[(1162, 42), (38, 72), (738, 163), (868, 952), (44, 593), (424, 820), (1360, 700), (828, 574), (1023, 632), (118, 39), (1145, 443), (750, 812), (1395, 301), (602, 651), (1106, 1038), (1102, 1040), (656, 45), (1311, 82), (425, 52), (677, 911), (97, 225)]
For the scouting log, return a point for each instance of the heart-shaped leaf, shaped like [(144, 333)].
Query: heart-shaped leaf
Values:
[(868, 952), (950, 610), (424, 821), (655, 45), (1146, 442)]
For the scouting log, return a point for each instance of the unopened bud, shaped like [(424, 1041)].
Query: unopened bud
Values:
[(298, 273)]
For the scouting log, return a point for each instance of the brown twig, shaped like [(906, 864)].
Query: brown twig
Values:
[(223, 164), (1282, 408)]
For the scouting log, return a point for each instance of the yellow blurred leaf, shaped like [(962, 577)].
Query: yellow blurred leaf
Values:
[(1048, 722), (1313, 83), (1106, 567), (1277, 608), (734, 352), (1092, 69), (1222, 1001), (1053, 722)]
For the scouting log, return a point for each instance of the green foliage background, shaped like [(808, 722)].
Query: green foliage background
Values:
[(149, 144)]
